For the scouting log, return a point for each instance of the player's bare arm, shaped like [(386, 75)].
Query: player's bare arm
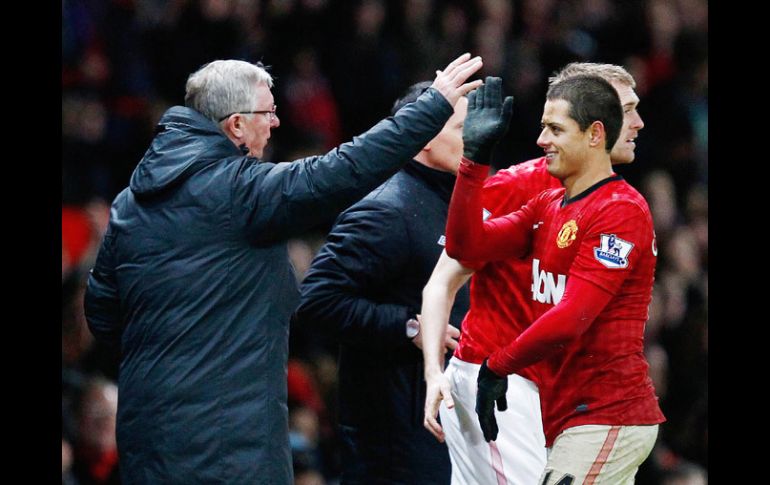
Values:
[(437, 299)]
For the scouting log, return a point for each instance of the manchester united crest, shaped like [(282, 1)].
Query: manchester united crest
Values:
[(567, 234)]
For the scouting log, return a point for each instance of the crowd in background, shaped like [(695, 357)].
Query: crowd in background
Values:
[(338, 67)]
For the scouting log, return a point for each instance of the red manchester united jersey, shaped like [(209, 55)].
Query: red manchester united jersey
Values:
[(603, 236), (500, 291)]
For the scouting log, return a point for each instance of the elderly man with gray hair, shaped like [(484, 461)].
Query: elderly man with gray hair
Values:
[(193, 282)]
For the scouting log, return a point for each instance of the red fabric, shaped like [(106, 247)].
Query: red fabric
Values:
[(302, 388), (500, 291), (601, 377), (98, 464), (75, 232), (554, 330), (604, 453), (103, 466), (468, 237), (311, 107)]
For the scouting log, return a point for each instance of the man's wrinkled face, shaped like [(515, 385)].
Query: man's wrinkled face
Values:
[(256, 127), (623, 151)]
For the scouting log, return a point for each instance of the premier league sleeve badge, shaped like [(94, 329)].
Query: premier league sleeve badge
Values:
[(613, 252)]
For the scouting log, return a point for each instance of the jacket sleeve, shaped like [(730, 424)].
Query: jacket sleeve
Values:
[(274, 202), (101, 302), (365, 251)]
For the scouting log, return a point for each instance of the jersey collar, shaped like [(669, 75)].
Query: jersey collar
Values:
[(589, 190)]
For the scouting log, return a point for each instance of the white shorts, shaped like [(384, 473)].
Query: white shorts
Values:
[(594, 454), (518, 456)]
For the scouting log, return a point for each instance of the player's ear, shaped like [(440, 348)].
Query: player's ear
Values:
[(596, 133)]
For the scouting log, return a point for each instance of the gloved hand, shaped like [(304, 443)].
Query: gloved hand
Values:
[(491, 389), (487, 120)]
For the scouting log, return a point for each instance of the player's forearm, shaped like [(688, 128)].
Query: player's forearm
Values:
[(437, 301), (581, 304)]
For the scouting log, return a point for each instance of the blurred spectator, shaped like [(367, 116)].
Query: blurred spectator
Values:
[(75, 237), (310, 420), (82, 231), (76, 338), (454, 30), (304, 438), (311, 108), (367, 67), (657, 358), (302, 391), (686, 473), (67, 478), (85, 168), (418, 41), (698, 222), (304, 457), (197, 32), (301, 254), (96, 450), (660, 192), (491, 35)]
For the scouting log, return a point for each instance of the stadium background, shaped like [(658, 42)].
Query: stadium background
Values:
[(338, 66)]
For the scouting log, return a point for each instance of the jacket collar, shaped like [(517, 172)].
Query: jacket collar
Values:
[(441, 182)]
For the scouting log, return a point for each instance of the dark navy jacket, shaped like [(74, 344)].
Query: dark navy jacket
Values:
[(194, 282), (363, 285)]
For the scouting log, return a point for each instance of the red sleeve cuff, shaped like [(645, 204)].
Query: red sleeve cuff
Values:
[(473, 170)]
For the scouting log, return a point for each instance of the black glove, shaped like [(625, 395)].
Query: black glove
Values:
[(487, 120), (491, 389)]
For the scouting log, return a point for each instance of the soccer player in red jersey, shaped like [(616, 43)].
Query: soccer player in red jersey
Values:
[(593, 258), (499, 312)]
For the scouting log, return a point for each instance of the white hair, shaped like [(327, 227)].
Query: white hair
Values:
[(224, 87)]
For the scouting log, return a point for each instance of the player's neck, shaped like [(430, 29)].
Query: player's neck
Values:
[(593, 172)]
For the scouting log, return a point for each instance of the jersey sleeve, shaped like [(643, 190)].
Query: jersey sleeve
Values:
[(472, 239), (581, 304), (502, 194), (613, 245)]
